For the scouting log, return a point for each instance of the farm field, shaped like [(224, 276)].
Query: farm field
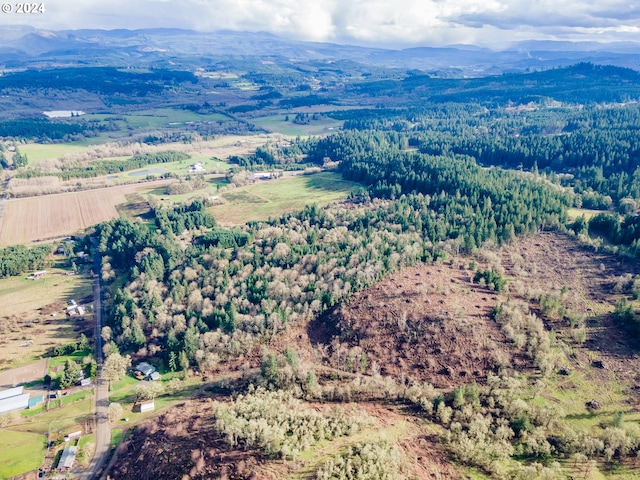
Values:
[(271, 198), (277, 123), (157, 118), (34, 219)]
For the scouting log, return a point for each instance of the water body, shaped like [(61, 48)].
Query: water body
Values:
[(148, 171), (63, 113)]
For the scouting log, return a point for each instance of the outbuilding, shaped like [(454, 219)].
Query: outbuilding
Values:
[(145, 406), (68, 458)]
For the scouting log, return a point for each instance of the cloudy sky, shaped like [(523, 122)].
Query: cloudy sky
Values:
[(386, 23)]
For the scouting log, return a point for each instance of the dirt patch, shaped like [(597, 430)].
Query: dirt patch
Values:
[(182, 442), (426, 459), (28, 373)]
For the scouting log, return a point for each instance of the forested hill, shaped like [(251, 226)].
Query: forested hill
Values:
[(105, 80), (581, 83)]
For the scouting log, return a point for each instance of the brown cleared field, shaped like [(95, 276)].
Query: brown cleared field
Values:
[(29, 220)]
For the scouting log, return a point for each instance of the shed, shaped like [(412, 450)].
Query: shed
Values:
[(68, 457), (70, 436), (146, 406), (35, 401), (155, 376)]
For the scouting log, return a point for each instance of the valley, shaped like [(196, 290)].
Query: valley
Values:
[(321, 263)]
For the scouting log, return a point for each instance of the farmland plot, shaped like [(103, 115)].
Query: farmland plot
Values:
[(28, 220)]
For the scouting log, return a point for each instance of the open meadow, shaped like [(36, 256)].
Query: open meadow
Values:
[(280, 124), (37, 152), (270, 198)]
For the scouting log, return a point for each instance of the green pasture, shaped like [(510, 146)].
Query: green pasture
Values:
[(37, 152), (123, 390), (211, 165), (572, 392), (167, 117), (213, 181), (574, 213), (20, 452), (277, 123), (67, 418), (271, 198), (244, 85)]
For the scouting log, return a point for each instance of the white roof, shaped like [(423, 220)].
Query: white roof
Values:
[(12, 392), (18, 402)]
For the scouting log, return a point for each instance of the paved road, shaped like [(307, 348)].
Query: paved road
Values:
[(103, 430)]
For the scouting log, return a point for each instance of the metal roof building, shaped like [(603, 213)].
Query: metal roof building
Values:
[(68, 457), (13, 399)]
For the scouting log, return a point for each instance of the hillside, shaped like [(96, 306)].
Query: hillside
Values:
[(430, 323)]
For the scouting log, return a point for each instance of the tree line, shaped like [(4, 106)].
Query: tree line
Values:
[(18, 259), (105, 167)]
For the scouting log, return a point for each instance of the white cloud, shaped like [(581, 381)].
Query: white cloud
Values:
[(393, 23)]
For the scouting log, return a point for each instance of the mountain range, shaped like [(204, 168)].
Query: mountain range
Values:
[(28, 47)]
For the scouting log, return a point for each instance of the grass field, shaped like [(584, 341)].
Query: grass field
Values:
[(158, 118), (28, 220), (275, 197), (169, 118), (277, 123), (37, 152), (20, 452), (19, 296), (68, 418), (116, 437), (574, 213)]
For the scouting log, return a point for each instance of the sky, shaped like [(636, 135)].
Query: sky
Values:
[(380, 23)]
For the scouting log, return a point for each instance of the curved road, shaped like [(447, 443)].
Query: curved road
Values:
[(103, 430)]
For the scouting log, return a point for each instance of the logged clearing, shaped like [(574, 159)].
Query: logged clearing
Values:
[(34, 219), (185, 441), (428, 322)]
